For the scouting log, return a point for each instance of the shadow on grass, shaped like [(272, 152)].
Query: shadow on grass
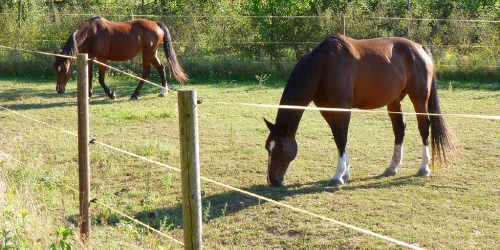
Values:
[(222, 204), (98, 98)]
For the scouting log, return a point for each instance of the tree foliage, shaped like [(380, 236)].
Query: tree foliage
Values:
[(222, 34)]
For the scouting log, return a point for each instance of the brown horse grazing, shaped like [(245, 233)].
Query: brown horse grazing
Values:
[(107, 40), (342, 72)]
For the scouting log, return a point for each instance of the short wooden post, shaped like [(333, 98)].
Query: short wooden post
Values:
[(342, 23), (190, 169), (83, 144)]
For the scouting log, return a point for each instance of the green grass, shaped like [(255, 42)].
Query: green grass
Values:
[(454, 208)]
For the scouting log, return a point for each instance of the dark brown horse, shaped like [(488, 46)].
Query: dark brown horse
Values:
[(366, 74), (107, 40)]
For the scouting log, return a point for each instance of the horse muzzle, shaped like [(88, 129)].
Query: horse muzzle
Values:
[(60, 89), (276, 182)]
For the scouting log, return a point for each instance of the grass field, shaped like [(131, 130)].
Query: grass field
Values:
[(455, 208)]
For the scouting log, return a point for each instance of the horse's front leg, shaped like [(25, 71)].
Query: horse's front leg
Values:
[(339, 123), (341, 175), (108, 91)]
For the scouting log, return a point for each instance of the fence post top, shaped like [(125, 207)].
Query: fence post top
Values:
[(186, 90)]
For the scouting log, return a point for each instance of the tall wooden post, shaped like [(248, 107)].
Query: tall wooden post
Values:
[(83, 144), (20, 9), (190, 169), (342, 23)]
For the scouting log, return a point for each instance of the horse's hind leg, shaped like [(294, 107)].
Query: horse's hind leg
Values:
[(339, 123), (398, 126), (146, 70), (90, 69), (161, 71), (102, 71), (423, 127)]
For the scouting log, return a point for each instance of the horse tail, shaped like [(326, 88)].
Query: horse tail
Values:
[(173, 64), (442, 137)]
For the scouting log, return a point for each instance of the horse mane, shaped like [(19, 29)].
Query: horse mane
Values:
[(298, 89), (71, 46), (303, 81), (308, 69), (302, 76)]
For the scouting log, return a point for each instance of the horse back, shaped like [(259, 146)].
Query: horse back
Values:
[(372, 73), (121, 41)]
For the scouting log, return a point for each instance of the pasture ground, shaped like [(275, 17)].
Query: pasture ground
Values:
[(455, 208)]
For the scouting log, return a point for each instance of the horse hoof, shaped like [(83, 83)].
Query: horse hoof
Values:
[(112, 95), (423, 172), (334, 183), (389, 172), (345, 178), (133, 98), (161, 95)]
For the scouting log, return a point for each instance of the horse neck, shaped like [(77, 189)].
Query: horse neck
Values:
[(293, 95), (80, 38), (84, 34)]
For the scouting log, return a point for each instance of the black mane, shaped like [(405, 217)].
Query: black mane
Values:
[(299, 90), (300, 79), (303, 81), (71, 46), (308, 70)]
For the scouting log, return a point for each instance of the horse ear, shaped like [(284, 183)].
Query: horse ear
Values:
[(269, 125)]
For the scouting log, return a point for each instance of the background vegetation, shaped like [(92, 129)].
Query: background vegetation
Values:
[(230, 39)]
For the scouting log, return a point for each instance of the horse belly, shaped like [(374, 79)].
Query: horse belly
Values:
[(374, 90), (124, 50)]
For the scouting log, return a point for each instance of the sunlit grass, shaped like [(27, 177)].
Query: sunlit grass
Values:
[(454, 208)]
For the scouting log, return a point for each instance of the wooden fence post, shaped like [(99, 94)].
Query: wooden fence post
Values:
[(132, 61), (342, 23), (190, 169), (20, 6), (83, 144)]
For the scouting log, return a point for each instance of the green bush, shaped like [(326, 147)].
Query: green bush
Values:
[(240, 39)]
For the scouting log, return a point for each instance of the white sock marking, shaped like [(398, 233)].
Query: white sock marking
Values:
[(163, 91), (426, 156), (397, 157), (342, 167)]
